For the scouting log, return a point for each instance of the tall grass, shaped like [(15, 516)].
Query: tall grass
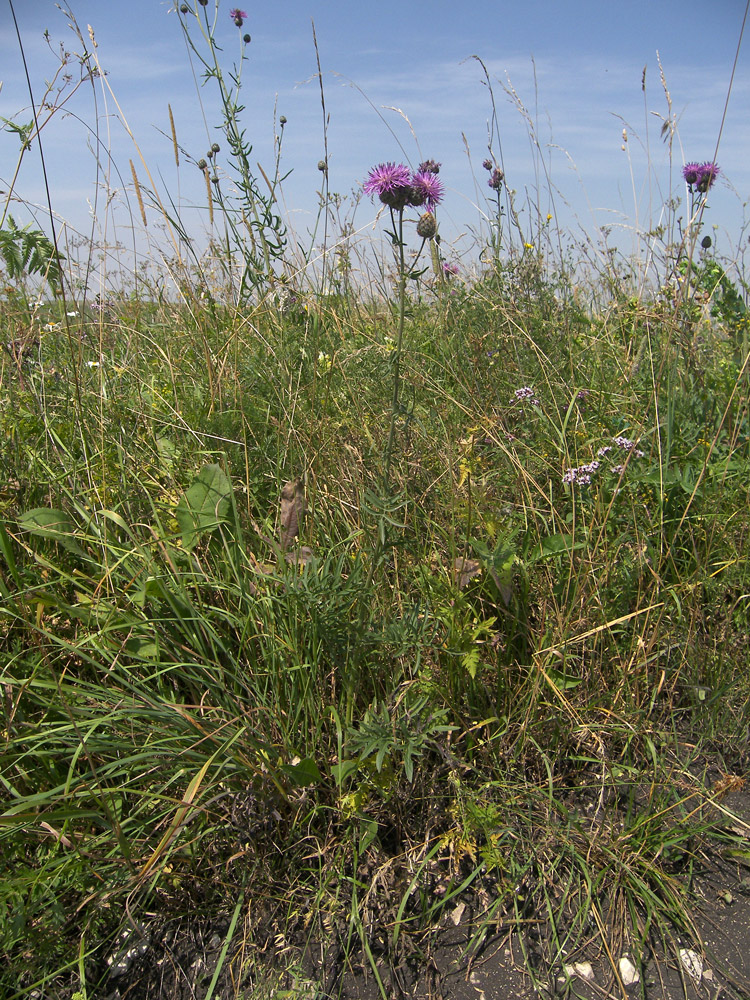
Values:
[(217, 716)]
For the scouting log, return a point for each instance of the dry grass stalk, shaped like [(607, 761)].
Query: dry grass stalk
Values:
[(138, 194), (174, 136)]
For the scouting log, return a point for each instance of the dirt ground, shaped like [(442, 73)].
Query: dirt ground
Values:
[(175, 961)]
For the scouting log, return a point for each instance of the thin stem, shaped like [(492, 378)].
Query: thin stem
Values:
[(399, 342)]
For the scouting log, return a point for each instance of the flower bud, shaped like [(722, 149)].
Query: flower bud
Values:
[(427, 226)]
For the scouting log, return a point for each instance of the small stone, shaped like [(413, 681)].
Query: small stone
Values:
[(628, 972), (584, 970), (458, 913)]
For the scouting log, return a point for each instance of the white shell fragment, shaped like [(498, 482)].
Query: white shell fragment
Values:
[(692, 963), (628, 972)]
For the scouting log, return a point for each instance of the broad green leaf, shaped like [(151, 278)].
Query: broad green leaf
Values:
[(46, 522), (205, 505), (304, 772)]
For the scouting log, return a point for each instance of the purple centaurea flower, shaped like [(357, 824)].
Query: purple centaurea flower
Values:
[(426, 189), (709, 173), (700, 175), (691, 172), (238, 16), (391, 182), (449, 268)]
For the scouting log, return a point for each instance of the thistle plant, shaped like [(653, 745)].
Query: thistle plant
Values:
[(254, 228), (495, 183), (398, 189), (700, 178)]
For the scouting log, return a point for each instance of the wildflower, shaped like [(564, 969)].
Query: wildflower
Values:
[(429, 167), (706, 242), (426, 190), (570, 476), (201, 164), (618, 469), (709, 173), (427, 227), (238, 16), (282, 120), (246, 39), (391, 182), (322, 166), (488, 164), (449, 269), (625, 443), (184, 8), (700, 175), (691, 172), (526, 392), (603, 451), (496, 179)]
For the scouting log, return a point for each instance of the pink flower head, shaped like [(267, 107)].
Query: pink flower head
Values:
[(449, 269), (238, 16), (391, 182), (426, 189)]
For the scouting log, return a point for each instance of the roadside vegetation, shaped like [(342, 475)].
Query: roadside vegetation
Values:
[(326, 608)]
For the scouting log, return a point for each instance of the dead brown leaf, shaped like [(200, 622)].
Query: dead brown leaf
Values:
[(464, 570), (292, 511)]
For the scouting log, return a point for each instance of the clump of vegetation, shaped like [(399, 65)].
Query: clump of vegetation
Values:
[(323, 613)]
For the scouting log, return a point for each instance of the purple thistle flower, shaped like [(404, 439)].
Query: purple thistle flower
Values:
[(429, 167), (496, 179), (450, 269), (691, 172), (488, 164), (709, 173), (238, 16), (700, 175), (426, 189), (391, 182)]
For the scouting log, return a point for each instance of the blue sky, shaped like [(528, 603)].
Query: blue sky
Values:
[(400, 84)]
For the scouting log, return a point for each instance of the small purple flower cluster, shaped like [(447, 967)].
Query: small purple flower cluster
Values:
[(450, 269), (396, 186), (700, 175), (496, 178), (582, 475), (523, 394), (627, 445)]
